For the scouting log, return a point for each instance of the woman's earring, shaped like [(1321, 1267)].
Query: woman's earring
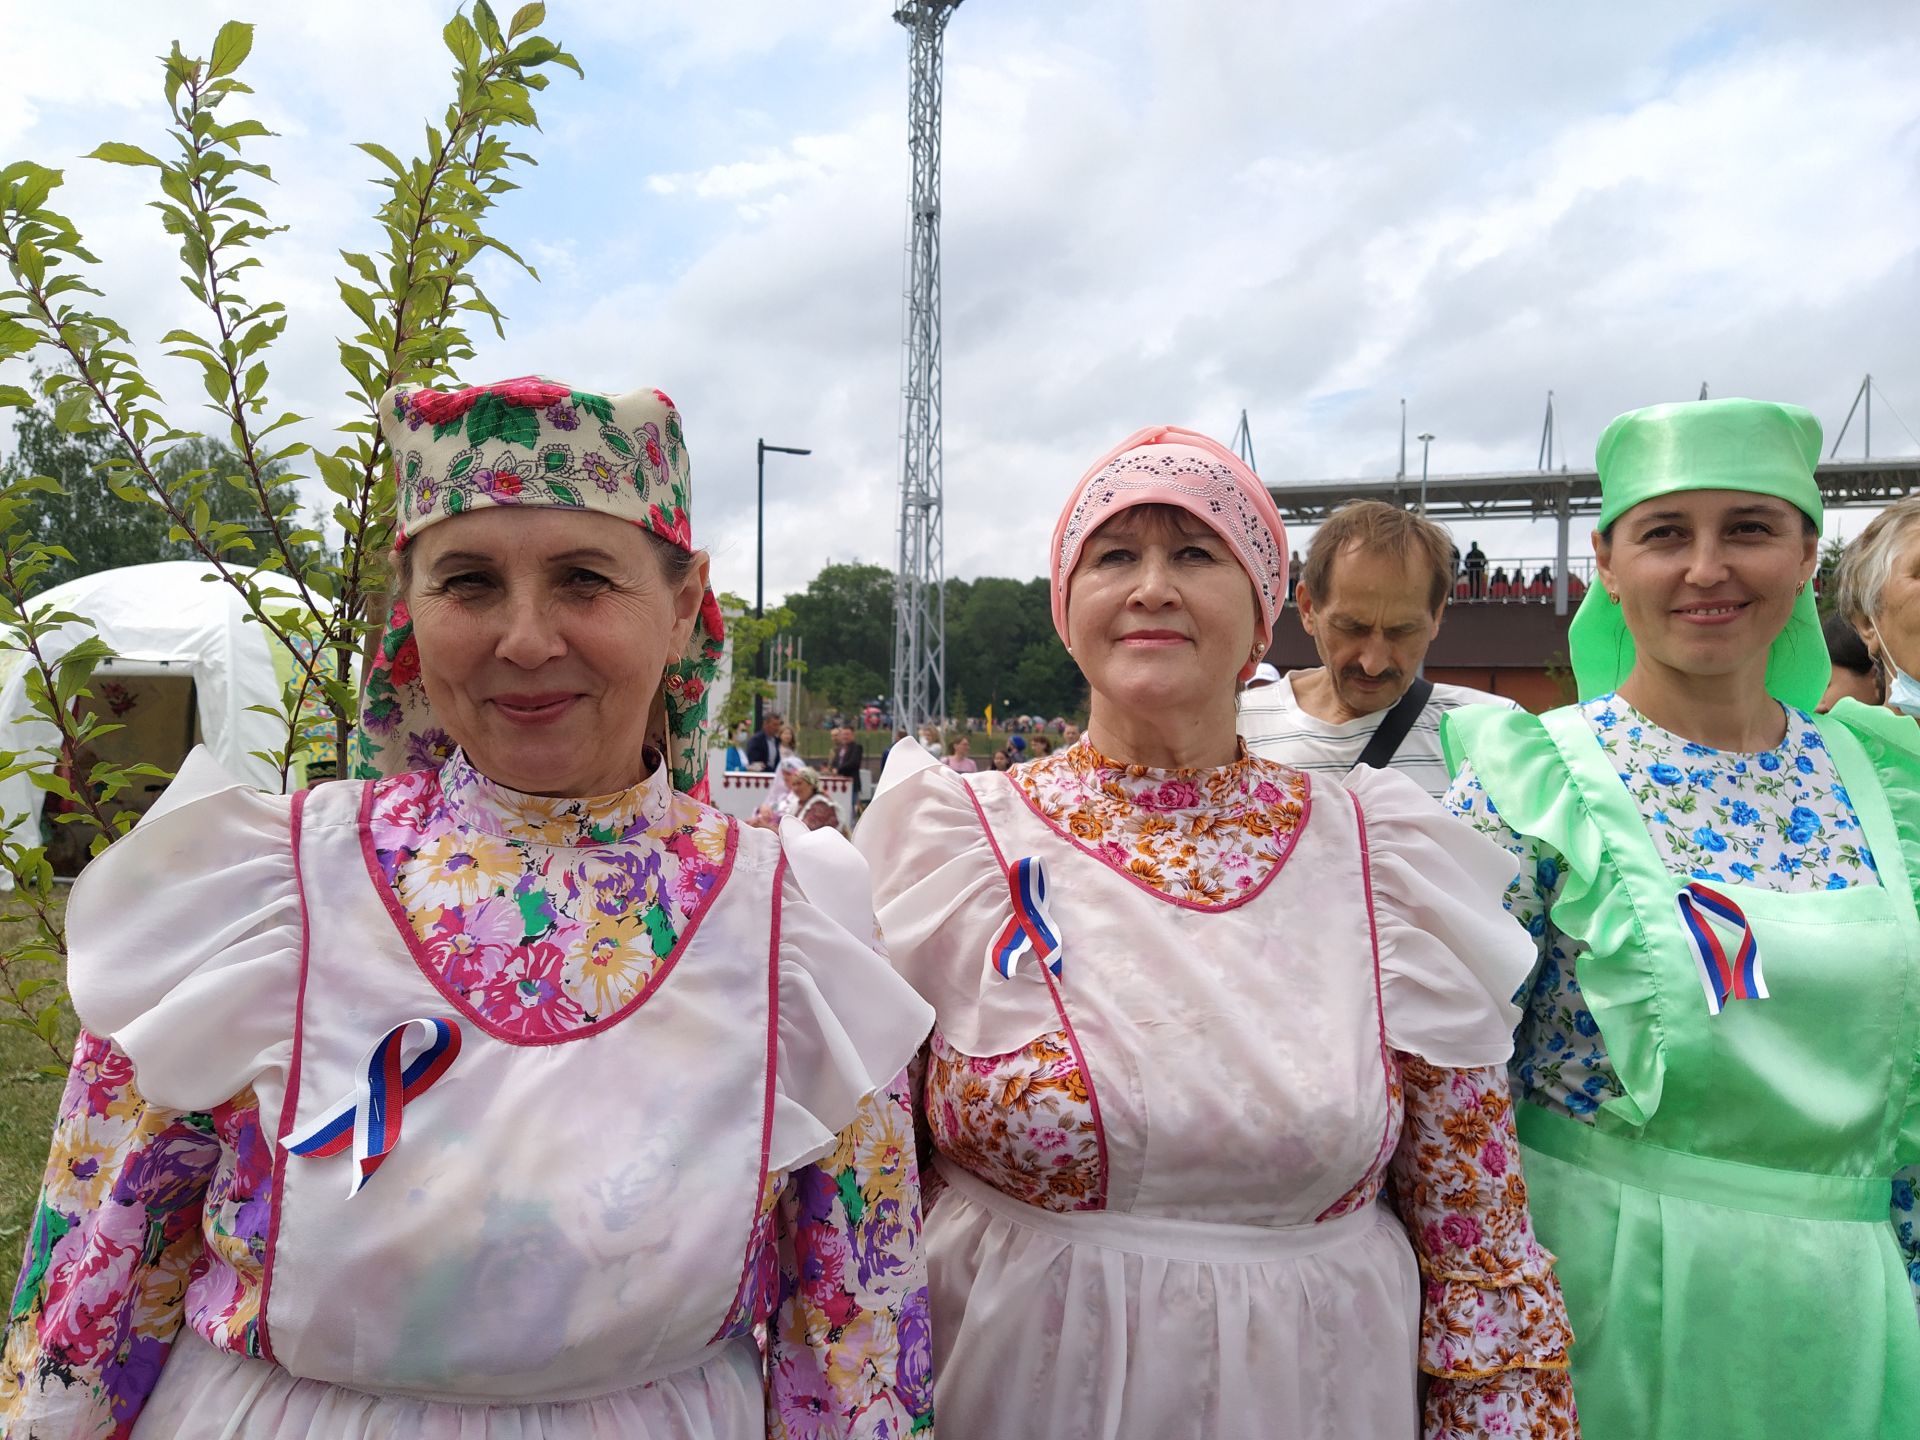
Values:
[(1801, 588)]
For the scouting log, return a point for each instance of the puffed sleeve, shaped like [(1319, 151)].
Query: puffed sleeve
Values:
[(184, 940), (1451, 958), (940, 892), (848, 1024)]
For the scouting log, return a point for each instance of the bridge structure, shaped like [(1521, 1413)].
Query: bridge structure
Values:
[(1559, 496)]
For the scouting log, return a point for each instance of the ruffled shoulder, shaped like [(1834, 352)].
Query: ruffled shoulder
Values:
[(1451, 957), (940, 890), (184, 939), (1531, 788), (1891, 742), (848, 1024)]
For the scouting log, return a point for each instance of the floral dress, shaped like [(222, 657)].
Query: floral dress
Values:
[(1776, 820), (542, 920), (1053, 1143)]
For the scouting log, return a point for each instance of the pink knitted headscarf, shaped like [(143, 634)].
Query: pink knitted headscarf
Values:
[(1165, 465)]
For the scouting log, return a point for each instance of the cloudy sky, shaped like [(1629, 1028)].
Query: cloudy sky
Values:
[(1153, 212)]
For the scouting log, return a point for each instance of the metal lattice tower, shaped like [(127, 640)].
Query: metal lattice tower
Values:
[(919, 590)]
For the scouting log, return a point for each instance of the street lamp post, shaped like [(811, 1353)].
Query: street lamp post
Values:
[(1426, 444), (760, 550)]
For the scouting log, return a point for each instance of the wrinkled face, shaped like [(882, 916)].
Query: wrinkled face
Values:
[(1707, 578), (1896, 629), (1159, 612), (543, 638), (1373, 627)]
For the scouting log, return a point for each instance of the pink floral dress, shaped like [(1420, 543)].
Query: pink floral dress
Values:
[(1278, 1003), (540, 922)]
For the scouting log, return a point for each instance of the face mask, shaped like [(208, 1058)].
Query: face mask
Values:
[(1903, 691)]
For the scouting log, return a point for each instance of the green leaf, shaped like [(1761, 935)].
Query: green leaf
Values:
[(230, 48), (16, 338), (485, 21), (73, 415), (115, 153), (525, 19), (462, 40), (385, 156)]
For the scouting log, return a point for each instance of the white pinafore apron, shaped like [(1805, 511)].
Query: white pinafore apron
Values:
[(556, 1242), (1237, 1063)]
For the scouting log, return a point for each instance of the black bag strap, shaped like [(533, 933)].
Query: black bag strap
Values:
[(1393, 729)]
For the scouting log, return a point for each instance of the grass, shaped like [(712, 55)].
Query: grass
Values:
[(28, 1100)]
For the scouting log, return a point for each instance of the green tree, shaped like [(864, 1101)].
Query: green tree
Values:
[(749, 636), (409, 303), (845, 617), (94, 527)]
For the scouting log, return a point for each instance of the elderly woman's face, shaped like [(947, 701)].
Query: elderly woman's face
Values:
[(543, 637), (1896, 629), (1159, 612)]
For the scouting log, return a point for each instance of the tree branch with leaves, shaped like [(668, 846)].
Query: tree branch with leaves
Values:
[(408, 303)]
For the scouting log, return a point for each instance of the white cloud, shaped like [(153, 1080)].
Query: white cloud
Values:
[(1150, 212)]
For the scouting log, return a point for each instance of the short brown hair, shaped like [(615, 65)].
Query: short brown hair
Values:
[(1375, 525)]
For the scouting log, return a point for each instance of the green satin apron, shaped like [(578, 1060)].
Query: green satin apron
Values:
[(1729, 1262)]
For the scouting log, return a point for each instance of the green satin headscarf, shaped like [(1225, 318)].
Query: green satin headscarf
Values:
[(1751, 445)]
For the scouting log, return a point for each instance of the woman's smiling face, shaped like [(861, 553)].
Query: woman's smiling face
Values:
[(544, 635), (1707, 579), (1159, 612)]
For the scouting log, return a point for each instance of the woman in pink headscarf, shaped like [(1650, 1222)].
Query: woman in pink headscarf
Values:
[(1196, 1014)]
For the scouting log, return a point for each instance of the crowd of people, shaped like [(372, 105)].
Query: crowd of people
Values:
[(1332, 1054)]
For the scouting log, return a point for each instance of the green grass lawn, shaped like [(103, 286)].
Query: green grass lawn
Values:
[(27, 1102)]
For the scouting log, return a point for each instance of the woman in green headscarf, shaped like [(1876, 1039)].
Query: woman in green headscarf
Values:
[(1717, 1058)]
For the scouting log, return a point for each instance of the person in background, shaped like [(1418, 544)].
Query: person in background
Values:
[(1715, 1076), (1372, 597), (763, 750), (787, 740), (1476, 567), (1042, 747), (930, 738), (1071, 735), (1878, 591), (737, 748), (848, 760), (1002, 760), (811, 807), (962, 757), (1196, 1012), (1855, 675), (1016, 748)]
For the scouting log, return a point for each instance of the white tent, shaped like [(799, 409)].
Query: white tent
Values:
[(190, 665)]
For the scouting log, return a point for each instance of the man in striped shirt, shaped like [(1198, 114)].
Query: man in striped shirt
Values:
[(1372, 596)]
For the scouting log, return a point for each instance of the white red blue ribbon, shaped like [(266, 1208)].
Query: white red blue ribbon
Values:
[(1725, 978), (402, 1063), (1031, 931)]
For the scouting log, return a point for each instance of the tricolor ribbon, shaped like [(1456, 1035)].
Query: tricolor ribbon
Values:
[(1724, 979), (1031, 931), (400, 1066)]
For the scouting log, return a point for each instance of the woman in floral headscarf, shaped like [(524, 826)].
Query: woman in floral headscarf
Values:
[(509, 1091), (1194, 1015)]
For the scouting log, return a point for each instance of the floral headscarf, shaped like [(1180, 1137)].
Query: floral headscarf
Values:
[(1165, 465), (532, 441)]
